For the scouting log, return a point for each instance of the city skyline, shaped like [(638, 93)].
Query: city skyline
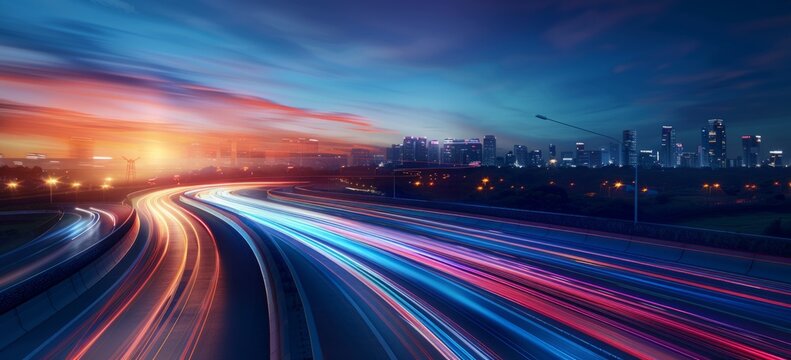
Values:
[(142, 77)]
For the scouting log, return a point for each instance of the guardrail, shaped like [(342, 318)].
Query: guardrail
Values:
[(28, 304)]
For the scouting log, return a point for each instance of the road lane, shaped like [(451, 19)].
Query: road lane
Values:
[(78, 230), (245, 270), (469, 292)]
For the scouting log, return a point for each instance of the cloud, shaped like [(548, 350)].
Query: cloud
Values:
[(571, 32)]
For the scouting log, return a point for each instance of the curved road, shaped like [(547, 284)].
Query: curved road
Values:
[(239, 270)]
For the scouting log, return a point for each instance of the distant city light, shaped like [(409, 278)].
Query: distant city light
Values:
[(102, 157), (12, 185)]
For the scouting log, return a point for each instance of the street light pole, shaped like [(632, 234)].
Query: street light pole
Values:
[(542, 117), (51, 182)]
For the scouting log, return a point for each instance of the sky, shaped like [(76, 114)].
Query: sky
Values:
[(147, 77)]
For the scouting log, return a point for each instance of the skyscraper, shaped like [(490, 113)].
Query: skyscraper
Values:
[(489, 150), (751, 150), (717, 153), (536, 159), (521, 156), (703, 149), (408, 149), (667, 150), (615, 154), (629, 142), (509, 158), (582, 156), (461, 151), (552, 152), (394, 154), (434, 152), (421, 151), (775, 158)]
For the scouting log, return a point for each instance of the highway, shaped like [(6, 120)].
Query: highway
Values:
[(77, 230), (430, 283), (252, 270)]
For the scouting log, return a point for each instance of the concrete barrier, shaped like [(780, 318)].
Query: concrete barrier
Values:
[(33, 311)]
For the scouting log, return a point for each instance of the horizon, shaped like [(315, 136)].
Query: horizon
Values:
[(140, 77)]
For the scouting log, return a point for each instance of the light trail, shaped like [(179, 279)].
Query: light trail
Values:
[(160, 306), (67, 239), (342, 279), (544, 298)]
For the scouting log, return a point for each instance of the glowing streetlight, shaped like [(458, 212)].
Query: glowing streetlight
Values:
[(12, 185), (485, 180), (104, 191), (76, 186), (543, 117), (51, 182)]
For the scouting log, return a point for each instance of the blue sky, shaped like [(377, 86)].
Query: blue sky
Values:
[(370, 72)]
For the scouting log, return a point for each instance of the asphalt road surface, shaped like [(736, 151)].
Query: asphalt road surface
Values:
[(248, 271)]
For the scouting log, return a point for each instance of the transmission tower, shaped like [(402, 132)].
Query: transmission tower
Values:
[(131, 172)]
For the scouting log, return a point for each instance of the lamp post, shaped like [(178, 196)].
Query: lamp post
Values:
[(104, 191), (636, 187), (12, 185), (76, 186), (51, 182)]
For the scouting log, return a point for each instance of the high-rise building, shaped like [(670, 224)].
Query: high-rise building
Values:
[(615, 154), (717, 151), (775, 158), (510, 159), (536, 159), (566, 158), (360, 157), (521, 156), (408, 149), (583, 157), (648, 158), (629, 142), (394, 154), (703, 148), (434, 151), (667, 150), (679, 149), (414, 150), (689, 160), (553, 154), (596, 158), (751, 150), (421, 151), (461, 151), (489, 150)]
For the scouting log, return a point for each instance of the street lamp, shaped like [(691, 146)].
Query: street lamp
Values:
[(12, 185), (636, 187), (76, 186), (104, 191), (51, 182)]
